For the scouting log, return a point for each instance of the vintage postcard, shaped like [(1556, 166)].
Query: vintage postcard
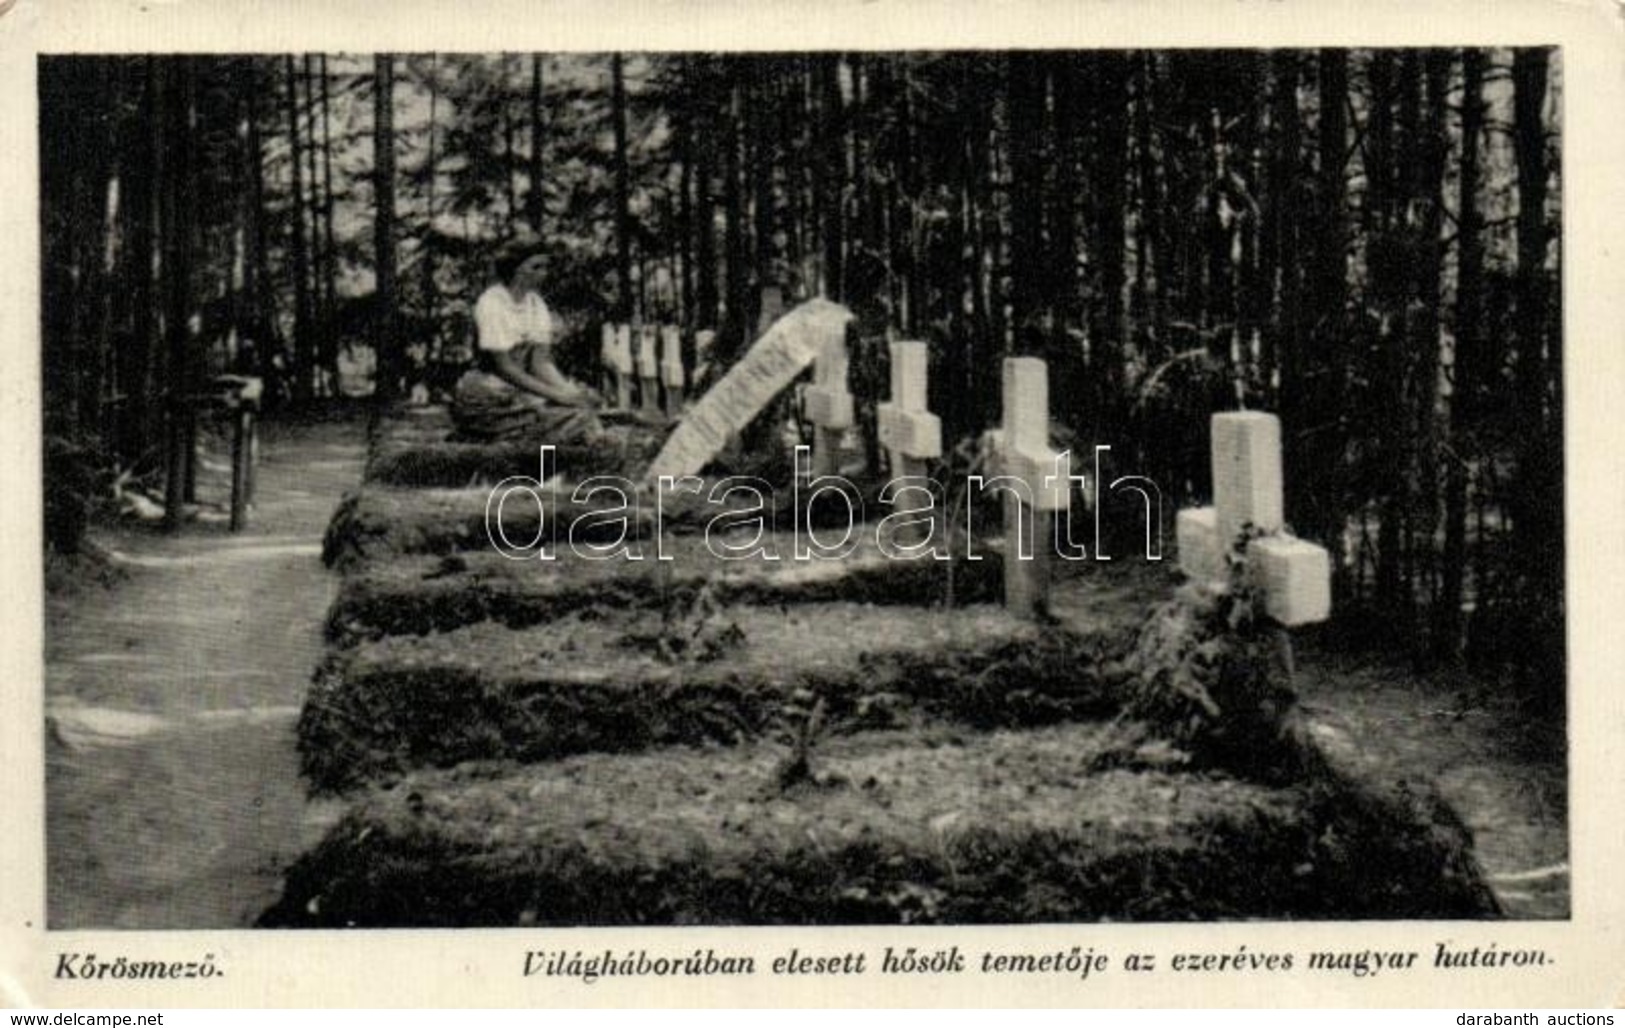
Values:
[(859, 503)]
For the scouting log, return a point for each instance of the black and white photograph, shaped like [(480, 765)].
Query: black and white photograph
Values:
[(611, 493), (980, 487)]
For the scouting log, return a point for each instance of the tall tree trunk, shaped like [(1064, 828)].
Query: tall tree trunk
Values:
[(1025, 94), (707, 296), (1388, 268), (298, 246), (1313, 411), (685, 202), (390, 364), (431, 178), (267, 336), (1537, 498), (1466, 363), (249, 316), (1149, 240), (330, 348), (1108, 340), (535, 197), (760, 168), (737, 217), (178, 231), (623, 193), (144, 413), (832, 179), (1283, 344), (1429, 265)]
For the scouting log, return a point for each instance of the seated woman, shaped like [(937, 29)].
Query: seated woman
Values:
[(515, 390)]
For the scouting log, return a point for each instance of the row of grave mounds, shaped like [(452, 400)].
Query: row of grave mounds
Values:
[(696, 741), (417, 594), (623, 679)]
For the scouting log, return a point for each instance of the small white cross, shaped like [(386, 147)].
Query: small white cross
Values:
[(1021, 451), (1247, 489), (649, 366), (671, 368), (909, 433), (828, 405)]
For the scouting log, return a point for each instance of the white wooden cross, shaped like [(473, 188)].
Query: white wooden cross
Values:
[(1021, 451), (911, 435), (671, 368), (1247, 489), (649, 367), (829, 405), (618, 343)]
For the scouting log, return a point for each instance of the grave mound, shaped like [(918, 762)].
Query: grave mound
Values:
[(619, 680), (414, 595), (418, 447), (935, 828), (379, 522)]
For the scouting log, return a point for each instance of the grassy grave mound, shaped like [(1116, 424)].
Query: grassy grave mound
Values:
[(622, 680), (376, 522), (923, 828), (414, 595), (418, 447)]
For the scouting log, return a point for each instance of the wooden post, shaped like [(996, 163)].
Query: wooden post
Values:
[(1021, 452), (1248, 490), (606, 361), (829, 405), (623, 367), (649, 368), (189, 420), (671, 368), (910, 435), (241, 455)]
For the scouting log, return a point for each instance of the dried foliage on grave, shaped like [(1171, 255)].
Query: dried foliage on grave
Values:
[(589, 682), (928, 827), (453, 464), (1209, 681), (1207, 673)]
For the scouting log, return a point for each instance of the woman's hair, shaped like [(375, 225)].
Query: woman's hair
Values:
[(510, 257)]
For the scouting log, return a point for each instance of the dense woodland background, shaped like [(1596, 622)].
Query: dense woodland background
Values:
[(1365, 241)]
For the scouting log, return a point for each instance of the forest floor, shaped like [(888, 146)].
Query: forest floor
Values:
[(1504, 772), (173, 685)]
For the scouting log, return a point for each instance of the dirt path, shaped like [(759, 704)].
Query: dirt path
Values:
[(172, 785)]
